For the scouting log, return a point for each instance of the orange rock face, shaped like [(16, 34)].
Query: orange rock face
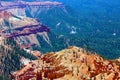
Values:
[(36, 53), (70, 64)]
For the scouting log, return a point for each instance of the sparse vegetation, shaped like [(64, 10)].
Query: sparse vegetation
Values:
[(10, 60)]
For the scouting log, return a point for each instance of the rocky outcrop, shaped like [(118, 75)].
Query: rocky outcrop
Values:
[(22, 29), (31, 9), (70, 64)]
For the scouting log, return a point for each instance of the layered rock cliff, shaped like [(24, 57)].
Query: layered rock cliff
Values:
[(22, 29)]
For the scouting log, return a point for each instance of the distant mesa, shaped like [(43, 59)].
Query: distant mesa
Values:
[(22, 4)]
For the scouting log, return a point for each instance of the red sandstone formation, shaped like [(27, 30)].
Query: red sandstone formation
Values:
[(70, 64)]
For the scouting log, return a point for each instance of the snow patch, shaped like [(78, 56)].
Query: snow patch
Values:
[(27, 50), (25, 61), (58, 24), (60, 36), (73, 31), (114, 34)]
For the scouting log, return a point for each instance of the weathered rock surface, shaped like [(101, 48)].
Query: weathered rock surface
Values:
[(70, 64)]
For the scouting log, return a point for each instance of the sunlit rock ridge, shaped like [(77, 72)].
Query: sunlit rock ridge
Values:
[(73, 63)]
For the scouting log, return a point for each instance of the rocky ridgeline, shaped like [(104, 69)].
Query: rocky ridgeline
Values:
[(23, 4), (27, 31), (70, 64)]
